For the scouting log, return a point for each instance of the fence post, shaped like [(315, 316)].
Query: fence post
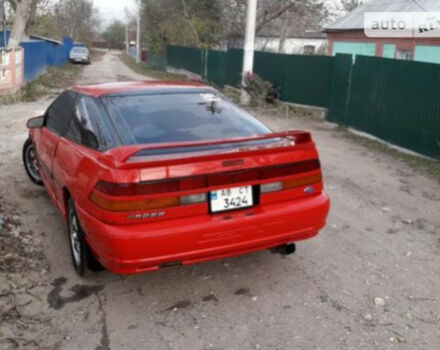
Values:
[(348, 96)]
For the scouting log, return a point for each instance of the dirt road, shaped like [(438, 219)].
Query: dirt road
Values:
[(371, 280)]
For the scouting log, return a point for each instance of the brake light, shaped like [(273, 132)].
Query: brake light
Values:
[(115, 197), (117, 205), (152, 187), (122, 206), (289, 169), (302, 181)]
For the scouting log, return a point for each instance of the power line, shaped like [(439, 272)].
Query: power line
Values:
[(416, 2)]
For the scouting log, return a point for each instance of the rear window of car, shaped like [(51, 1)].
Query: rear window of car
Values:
[(180, 117), (80, 50)]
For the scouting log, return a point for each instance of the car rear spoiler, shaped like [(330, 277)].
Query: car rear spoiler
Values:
[(125, 156)]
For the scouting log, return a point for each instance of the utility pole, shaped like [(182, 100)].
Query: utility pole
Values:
[(138, 33), (126, 37), (127, 21), (249, 46), (3, 19)]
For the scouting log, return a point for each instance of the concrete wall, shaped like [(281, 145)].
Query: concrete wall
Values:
[(291, 46)]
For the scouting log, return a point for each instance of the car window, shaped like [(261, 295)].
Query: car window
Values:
[(80, 50), (89, 125), (60, 113), (180, 117)]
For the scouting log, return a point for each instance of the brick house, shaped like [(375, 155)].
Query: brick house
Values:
[(347, 34)]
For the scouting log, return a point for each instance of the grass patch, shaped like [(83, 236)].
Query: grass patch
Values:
[(142, 68), (54, 78), (428, 167)]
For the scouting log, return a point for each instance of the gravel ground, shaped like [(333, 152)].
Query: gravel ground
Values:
[(370, 280)]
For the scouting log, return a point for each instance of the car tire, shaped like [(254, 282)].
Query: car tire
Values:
[(30, 162), (80, 252)]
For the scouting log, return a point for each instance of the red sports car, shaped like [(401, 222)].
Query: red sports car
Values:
[(155, 174)]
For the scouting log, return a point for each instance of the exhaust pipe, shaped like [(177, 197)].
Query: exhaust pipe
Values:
[(285, 249)]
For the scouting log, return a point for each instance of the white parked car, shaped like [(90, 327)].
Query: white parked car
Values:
[(79, 54)]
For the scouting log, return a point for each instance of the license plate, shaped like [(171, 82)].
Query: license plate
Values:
[(231, 198)]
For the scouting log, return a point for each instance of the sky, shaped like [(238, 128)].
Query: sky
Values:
[(114, 9)]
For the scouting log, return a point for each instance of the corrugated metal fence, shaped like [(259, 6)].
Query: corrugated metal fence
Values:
[(40, 54), (301, 79), (397, 101)]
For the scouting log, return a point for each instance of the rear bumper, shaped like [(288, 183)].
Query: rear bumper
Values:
[(77, 59), (135, 248)]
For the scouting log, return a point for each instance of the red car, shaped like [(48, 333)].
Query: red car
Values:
[(154, 174)]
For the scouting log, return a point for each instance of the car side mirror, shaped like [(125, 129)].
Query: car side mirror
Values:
[(89, 139), (35, 123)]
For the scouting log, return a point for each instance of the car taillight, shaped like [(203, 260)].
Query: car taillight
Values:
[(118, 197), (193, 199), (111, 200), (126, 206), (291, 183), (302, 181), (271, 187), (152, 187), (289, 169)]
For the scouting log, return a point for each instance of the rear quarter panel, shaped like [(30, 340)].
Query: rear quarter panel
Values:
[(78, 171)]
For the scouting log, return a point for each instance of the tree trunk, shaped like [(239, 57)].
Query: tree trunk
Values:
[(2, 12), (32, 13), (19, 24), (285, 28), (282, 42)]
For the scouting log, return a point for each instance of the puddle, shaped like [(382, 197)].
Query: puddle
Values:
[(78, 293)]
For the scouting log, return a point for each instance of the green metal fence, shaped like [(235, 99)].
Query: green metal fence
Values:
[(339, 89), (157, 61), (216, 66), (307, 79), (188, 58), (397, 101), (301, 79)]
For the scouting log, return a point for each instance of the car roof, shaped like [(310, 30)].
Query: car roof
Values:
[(140, 87)]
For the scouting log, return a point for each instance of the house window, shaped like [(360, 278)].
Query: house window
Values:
[(309, 49), (404, 55)]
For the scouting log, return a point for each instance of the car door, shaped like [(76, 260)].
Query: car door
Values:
[(89, 132), (57, 119)]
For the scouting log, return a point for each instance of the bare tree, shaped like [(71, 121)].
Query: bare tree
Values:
[(2, 11), (218, 23), (350, 5), (276, 16), (76, 18), (21, 17)]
